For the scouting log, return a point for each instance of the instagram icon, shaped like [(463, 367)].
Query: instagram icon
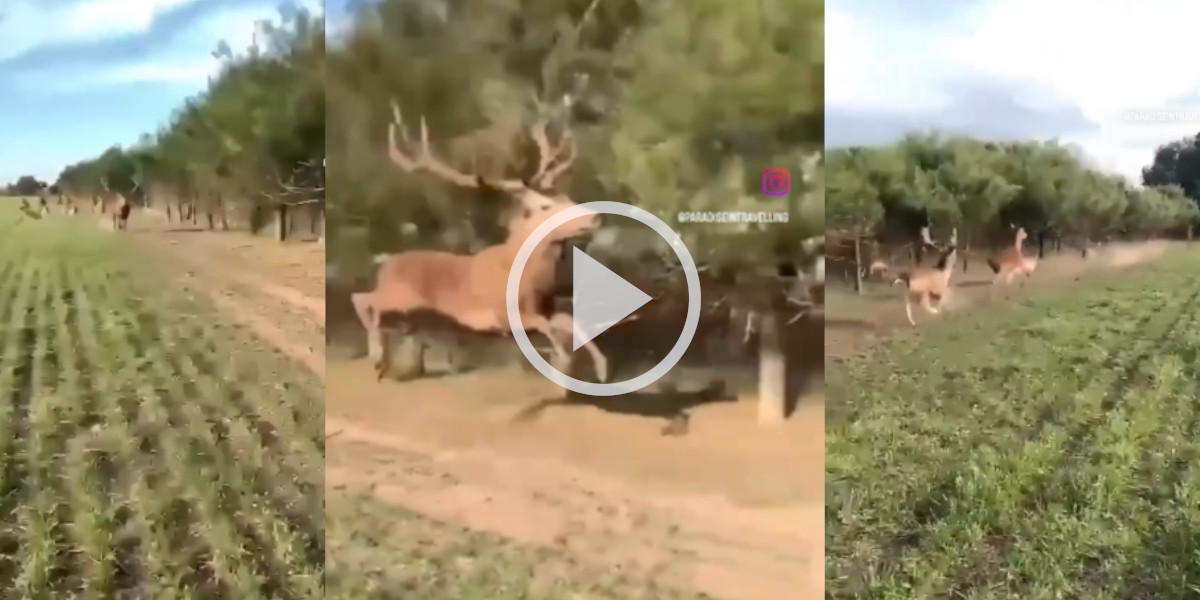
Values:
[(777, 182)]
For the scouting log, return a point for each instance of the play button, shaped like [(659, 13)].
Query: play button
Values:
[(602, 299)]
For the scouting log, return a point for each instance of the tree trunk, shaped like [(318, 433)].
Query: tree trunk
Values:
[(1041, 243), (965, 255), (168, 212), (858, 270), (772, 368), (321, 225), (1087, 242), (281, 215)]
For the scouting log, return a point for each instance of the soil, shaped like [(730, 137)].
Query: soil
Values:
[(730, 508)]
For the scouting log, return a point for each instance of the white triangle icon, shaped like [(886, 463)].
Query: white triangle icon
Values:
[(602, 298)]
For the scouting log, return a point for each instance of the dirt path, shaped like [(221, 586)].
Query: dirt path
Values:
[(856, 323), (276, 290), (729, 509)]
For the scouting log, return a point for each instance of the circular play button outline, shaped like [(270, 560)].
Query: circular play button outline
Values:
[(691, 275)]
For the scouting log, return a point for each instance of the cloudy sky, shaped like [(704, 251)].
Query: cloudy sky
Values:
[(1071, 69), (77, 76)]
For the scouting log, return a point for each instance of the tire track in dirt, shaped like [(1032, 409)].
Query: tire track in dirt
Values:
[(693, 542)]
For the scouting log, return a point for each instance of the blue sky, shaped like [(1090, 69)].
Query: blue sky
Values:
[(77, 76), (1087, 72)]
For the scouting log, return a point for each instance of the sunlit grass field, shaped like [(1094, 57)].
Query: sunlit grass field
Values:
[(1049, 449)]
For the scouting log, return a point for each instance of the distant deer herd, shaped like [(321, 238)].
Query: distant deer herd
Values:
[(115, 204)]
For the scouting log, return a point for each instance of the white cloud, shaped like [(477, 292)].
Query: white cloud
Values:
[(29, 24), (188, 61), (1107, 57)]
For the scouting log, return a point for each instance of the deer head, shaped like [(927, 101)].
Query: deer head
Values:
[(534, 200), (1021, 233)]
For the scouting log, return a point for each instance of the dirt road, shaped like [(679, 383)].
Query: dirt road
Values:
[(276, 290)]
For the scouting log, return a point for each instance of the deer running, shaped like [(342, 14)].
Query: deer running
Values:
[(119, 205), (1012, 261), (470, 289), (925, 284)]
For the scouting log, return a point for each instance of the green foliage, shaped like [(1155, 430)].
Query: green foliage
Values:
[(256, 132), (977, 186), (675, 106)]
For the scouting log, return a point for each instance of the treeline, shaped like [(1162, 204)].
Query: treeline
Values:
[(676, 105), (251, 143), (25, 185), (985, 188)]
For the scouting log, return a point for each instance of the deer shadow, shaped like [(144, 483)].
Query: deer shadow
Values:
[(667, 403), (671, 402)]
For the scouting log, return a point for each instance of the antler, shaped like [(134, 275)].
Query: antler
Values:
[(424, 160), (547, 171)]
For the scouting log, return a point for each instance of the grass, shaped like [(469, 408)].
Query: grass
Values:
[(148, 448), (384, 552), (1045, 450)]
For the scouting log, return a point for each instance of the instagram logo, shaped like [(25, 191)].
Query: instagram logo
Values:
[(777, 182)]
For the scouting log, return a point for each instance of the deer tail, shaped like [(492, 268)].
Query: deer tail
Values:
[(905, 277), (994, 265), (379, 258)]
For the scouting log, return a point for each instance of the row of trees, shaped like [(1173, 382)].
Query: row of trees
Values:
[(249, 145), (25, 185), (673, 105), (984, 188)]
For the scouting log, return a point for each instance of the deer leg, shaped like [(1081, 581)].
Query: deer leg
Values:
[(541, 324), (926, 305), (908, 310), (565, 323), (367, 316)]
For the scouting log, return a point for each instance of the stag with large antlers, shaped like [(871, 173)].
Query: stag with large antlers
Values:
[(470, 289)]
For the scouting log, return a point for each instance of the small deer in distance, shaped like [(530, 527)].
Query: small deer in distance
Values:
[(471, 289), (118, 205), (929, 286), (1012, 261)]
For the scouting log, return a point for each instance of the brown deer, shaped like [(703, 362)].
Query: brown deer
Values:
[(471, 289), (1012, 261), (117, 205), (930, 283)]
